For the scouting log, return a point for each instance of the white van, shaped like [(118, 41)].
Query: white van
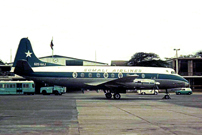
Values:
[(149, 92)]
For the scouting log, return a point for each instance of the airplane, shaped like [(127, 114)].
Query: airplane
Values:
[(111, 79)]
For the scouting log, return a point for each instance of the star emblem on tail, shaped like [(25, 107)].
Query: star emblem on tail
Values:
[(28, 54)]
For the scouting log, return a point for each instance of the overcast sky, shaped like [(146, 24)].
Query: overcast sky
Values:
[(115, 29)]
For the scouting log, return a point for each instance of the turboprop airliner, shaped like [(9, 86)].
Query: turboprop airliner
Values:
[(113, 80)]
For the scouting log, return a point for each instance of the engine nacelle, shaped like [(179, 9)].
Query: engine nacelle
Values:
[(145, 84)]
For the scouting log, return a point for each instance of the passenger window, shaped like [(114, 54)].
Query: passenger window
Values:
[(0, 85), (25, 85), (120, 75), (19, 85), (74, 75), (6, 86), (172, 72), (90, 75), (98, 75), (12, 86), (105, 75), (82, 75)]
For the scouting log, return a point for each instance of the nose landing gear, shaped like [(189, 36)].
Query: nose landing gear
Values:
[(167, 96)]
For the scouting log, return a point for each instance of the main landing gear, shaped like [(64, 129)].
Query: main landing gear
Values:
[(109, 95), (167, 96)]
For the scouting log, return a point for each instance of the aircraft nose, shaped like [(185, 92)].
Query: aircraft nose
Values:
[(187, 84)]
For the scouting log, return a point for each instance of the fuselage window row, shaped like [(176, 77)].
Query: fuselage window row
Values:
[(98, 75), (106, 75)]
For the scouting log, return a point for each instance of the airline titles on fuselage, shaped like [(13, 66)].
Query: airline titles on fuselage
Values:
[(113, 70)]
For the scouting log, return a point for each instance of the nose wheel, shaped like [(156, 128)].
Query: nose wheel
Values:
[(167, 96)]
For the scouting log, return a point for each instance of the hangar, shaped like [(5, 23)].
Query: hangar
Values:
[(70, 61)]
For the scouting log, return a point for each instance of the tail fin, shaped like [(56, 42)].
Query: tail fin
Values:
[(25, 52), (23, 68)]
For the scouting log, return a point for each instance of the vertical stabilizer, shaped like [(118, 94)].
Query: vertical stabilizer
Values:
[(25, 52)]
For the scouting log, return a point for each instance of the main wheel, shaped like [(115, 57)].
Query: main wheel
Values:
[(108, 95), (117, 96)]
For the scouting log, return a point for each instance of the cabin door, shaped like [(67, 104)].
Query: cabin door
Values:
[(19, 88)]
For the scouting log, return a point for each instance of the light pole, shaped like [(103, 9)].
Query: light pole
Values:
[(176, 60)]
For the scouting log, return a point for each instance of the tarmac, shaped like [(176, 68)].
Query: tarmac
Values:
[(92, 114)]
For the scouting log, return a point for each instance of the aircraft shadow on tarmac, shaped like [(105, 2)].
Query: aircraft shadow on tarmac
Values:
[(182, 100), (125, 98)]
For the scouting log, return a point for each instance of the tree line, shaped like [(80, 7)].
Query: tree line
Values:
[(153, 60), (146, 59)]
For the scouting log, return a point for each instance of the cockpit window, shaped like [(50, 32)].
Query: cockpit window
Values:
[(172, 72)]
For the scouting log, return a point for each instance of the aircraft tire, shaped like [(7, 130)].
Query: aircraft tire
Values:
[(167, 97), (108, 95), (44, 92), (117, 96)]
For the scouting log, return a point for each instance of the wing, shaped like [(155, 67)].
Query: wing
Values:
[(114, 83)]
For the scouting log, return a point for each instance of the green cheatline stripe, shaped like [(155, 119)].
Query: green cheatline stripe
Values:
[(106, 75)]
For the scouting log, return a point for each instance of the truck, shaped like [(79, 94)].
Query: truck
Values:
[(57, 90)]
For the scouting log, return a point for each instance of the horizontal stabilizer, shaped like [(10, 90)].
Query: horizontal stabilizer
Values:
[(23, 68)]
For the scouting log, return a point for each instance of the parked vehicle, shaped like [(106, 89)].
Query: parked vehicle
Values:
[(149, 92), (17, 87), (57, 90), (187, 91)]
